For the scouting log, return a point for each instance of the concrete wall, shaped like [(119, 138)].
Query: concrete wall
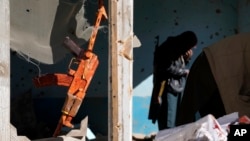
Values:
[(243, 14), (211, 20)]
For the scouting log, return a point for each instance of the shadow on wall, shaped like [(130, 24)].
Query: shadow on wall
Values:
[(210, 20)]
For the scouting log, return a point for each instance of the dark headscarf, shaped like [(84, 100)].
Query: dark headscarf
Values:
[(185, 42), (175, 46)]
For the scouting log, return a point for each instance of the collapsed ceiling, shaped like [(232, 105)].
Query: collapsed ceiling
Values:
[(38, 27)]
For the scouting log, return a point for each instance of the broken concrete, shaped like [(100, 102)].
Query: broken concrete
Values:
[(37, 28)]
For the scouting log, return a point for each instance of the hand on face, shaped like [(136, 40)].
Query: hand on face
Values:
[(188, 54)]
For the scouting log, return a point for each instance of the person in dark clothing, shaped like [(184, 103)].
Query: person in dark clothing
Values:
[(219, 80), (201, 94), (169, 76)]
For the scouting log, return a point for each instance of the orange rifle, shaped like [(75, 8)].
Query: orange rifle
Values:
[(77, 80)]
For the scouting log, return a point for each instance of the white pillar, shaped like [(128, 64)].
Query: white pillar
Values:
[(120, 69), (4, 71)]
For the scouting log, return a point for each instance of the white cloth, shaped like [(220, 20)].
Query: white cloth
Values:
[(205, 129)]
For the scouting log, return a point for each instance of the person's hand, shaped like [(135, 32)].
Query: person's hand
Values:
[(187, 71), (188, 54)]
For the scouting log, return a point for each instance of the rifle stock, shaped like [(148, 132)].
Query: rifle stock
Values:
[(53, 79)]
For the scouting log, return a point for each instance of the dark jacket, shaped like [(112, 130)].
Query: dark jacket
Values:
[(174, 76), (169, 63), (229, 60)]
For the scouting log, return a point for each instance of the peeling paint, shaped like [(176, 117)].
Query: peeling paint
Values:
[(3, 70), (127, 48), (118, 126)]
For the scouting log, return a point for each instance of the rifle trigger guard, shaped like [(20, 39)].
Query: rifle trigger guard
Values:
[(72, 61)]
